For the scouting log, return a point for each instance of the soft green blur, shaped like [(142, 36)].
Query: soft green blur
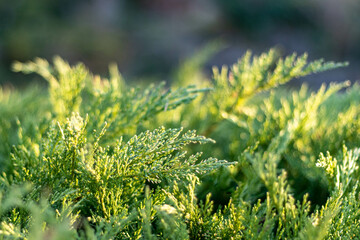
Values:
[(147, 39)]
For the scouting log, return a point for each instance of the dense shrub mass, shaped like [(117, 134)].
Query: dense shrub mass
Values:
[(94, 158)]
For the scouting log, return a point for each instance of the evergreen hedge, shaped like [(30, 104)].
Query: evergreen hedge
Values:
[(94, 158)]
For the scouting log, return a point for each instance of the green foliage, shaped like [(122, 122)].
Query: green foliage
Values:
[(94, 158)]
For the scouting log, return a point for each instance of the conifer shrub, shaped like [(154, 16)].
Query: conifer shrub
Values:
[(234, 157)]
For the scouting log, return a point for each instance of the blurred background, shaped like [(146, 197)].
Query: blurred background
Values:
[(149, 39)]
